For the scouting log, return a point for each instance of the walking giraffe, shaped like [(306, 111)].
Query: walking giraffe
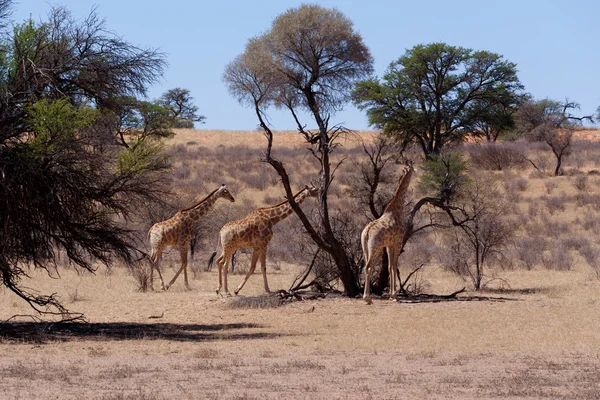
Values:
[(177, 232), (386, 232), (254, 231)]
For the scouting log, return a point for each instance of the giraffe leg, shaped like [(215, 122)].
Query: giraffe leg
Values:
[(263, 267), (155, 264), (373, 254), (223, 264), (255, 254), (183, 255), (219, 267), (392, 259)]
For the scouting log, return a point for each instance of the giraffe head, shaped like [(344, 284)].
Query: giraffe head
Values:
[(312, 190), (224, 193)]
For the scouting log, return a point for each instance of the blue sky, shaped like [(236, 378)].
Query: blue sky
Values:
[(555, 44)]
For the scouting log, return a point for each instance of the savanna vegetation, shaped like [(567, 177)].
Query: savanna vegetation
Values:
[(501, 223)]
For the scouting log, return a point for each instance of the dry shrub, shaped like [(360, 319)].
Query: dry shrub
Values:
[(550, 186), (496, 156), (530, 250), (558, 258), (580, 182), (256, 179), (588, 199), (555, 203), (591, 223), (141, 272), (575, 242), (591, 253), (182, 172)]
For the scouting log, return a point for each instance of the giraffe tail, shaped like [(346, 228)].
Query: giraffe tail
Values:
[(213, 256)]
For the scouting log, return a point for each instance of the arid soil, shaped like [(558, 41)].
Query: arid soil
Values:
[(532, 334), (539, 339)]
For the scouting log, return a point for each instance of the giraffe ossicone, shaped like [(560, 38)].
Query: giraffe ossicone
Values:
[(386, 232), (254, 231), (177, 232)]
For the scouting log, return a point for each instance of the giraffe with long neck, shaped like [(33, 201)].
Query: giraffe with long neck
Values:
[(254, 231), (177, 232), (386, 232)]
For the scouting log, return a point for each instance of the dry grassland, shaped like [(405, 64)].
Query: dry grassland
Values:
[(537, 335)]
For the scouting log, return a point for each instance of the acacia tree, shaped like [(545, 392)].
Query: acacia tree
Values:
[(65, 183), (551, 122), (308, 61), (436, 94), (180, 107)]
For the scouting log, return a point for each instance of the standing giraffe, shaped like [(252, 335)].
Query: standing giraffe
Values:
[(254, 231), (177, 231), (386, 232)]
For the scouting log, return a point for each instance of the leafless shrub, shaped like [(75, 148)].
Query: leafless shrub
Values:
[(558, 258), (575, 242), (580, 182), (182, 172), (256, 179), (522, 184), (550, 186), (511, 190), (555, 203), (496, 156), (588, 199), (533, 208), (591, 253), (591, 223), (530, 250), (141, 272)]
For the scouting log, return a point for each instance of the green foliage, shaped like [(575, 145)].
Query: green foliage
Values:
[(445, 176), (65, 184), (437, 94), (180, 108), (54, 125), (141, 157)]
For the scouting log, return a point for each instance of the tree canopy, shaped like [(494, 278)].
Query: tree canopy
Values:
[(438, 94), (66, 183), (308, 61)]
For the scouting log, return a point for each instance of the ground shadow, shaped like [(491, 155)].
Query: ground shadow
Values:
[(433, 298), (42, 332)]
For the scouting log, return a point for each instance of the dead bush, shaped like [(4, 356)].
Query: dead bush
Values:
[(580, 182), (141, 272), (575, 242), (496, 156), (530, 250), (591, 253), (555, 203), (558, 258)]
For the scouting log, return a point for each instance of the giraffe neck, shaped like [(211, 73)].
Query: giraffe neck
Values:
[(195, 212), (396, 205), (280, 212)]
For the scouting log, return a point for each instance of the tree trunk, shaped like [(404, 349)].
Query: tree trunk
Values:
[(351, 288), (558, 165)]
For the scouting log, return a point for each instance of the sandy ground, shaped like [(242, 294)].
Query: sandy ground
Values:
[(539, 339)]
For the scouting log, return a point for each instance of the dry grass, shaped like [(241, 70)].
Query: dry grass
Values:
[(535, 333)]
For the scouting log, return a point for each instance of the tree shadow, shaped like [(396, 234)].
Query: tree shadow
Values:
[(43, 332), (524, 291), (433, 298)]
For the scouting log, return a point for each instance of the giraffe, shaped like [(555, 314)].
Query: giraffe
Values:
[(386, 232), (177, 231), (254, 231)]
